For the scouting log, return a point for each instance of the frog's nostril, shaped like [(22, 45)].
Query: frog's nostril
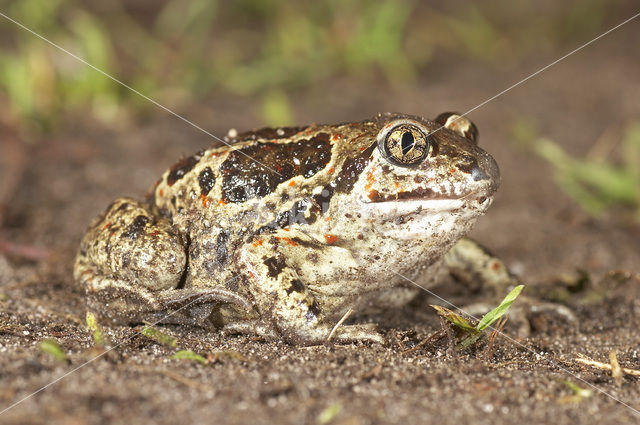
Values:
[(487, 169), (478, 174)]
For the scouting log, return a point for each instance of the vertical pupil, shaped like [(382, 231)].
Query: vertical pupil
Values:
[(407, 142)]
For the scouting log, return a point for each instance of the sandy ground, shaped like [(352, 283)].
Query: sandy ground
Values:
[(541, 234)]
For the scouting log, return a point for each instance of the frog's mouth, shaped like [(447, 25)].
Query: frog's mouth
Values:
[(425, 200), (425, 194)]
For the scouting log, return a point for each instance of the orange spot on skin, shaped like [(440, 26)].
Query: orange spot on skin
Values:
[(286, 229), (253, 276), (161, 192), (257, 243), (290, 241), (373, 195), (287, 240), (331, 170), (495, 266), (222, 202), (154, 233), (106, 226), (292, 183), (205, 200), (452, 170), (397, 185), (371, 179), (327, 219), (331, 239)]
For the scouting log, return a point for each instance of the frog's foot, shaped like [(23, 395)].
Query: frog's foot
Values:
[(118, 303), (526, 314), (129, 247), (531, 315), (473, 265), (366, 332)]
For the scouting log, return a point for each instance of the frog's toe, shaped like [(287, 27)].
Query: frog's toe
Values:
[(543, 315), (356, 333)]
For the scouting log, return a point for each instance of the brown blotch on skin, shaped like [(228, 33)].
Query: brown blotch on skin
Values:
[(296, 286), (182, 167), (275, 265), (271, 133), (320, 203), (313, 257), (206, 180), (352, 168), (435, 148), (244, 176), (222, 252), (314, 308), (136, 228), (418, 193), (290, 217)]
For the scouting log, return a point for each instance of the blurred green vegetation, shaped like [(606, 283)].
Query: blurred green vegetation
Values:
[(176, 51), (603, 185)]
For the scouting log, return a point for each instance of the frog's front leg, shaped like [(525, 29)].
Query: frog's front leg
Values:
[(297, 309), (126, 258), (473, 265)]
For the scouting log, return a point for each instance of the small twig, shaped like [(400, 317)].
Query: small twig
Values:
[(604, 366), (340, 322), (29, 252), (497, 330), (616, 371)]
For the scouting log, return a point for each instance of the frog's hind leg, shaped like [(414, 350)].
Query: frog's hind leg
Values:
[(127, 257)]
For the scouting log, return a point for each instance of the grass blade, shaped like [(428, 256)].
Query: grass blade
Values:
[(499, 311)]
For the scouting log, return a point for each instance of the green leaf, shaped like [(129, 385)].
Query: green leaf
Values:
[(499, 311), (159, 337), (52, 348), (329, 413), (578, 391), (189, 355), (92, 324), (469, 341), (455, 318)]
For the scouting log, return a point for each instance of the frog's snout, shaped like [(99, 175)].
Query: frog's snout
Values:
[(486, 168)]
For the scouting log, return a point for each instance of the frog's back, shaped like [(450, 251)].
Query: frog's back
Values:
[(256, 176)]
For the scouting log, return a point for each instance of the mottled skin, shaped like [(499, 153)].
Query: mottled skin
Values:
[(286, 230)]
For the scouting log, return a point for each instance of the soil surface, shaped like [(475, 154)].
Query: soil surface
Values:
[(58, 184)]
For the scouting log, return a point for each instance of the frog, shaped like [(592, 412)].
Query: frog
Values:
[(283, 232)]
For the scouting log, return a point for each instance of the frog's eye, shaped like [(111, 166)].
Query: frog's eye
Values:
[(405, 144), (459, 124)]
